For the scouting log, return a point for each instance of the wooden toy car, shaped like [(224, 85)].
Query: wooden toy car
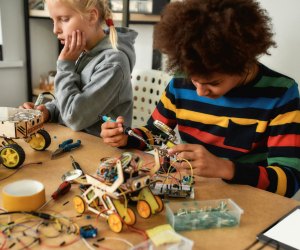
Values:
[(16, 123), (119, 182)]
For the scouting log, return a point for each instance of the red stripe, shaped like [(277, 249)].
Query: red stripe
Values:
[(157, 116), (284, 140), (263, 180), (208, 138)]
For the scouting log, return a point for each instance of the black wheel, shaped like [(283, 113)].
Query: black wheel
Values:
[(40, 140), (12, 156)]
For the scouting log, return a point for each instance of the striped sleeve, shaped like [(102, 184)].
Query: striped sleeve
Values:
[(281, 171)]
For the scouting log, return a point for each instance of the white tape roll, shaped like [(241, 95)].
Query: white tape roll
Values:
[(23, 195)]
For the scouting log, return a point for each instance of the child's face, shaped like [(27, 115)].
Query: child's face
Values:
[(65, 20), (217, 85)]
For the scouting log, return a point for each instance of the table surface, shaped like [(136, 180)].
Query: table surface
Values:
[(261, 208)]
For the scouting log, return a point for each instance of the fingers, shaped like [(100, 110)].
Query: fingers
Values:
[(181, 147), (110, 130), (27, 105), (74, 46), (186, 155), (120, 119)]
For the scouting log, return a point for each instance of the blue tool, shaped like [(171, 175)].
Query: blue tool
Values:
[(127, 130), (66, 146)]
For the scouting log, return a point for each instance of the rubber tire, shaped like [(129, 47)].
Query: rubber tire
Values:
[(46, 137), (20, 155)]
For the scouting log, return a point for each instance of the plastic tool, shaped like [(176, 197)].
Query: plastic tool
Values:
[(66, 146), (127, 130), (60, 191)]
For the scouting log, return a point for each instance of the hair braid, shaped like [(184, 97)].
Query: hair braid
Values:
[(113, 37)]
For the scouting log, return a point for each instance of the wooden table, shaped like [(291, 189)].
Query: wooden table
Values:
[(261, 208)]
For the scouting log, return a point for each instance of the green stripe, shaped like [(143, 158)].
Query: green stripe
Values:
[(252, 158), (289, 162), (267, 81)]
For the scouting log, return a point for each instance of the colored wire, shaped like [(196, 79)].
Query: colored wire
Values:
[(5, 239), (4, 178), (120, 239), (62, 245), (87, 244)]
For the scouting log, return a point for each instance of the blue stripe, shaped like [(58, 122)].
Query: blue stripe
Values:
[(236, 102)]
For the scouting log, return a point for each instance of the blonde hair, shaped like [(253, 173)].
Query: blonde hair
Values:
[(105, 14)]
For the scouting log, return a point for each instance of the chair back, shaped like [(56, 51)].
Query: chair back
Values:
[(148, 86)]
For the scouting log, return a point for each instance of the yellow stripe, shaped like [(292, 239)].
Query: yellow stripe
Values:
[(221, 121), (282, 181), (293, 116), (167, 103), (149, 135)]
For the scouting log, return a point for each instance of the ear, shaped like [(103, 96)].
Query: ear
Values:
[(93, 16)]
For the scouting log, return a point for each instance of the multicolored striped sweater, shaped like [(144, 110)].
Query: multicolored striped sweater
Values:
[(257, 126)]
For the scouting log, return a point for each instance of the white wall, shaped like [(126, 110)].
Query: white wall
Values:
[(13, 80), (143, 47), (0, 29), (286, 20)]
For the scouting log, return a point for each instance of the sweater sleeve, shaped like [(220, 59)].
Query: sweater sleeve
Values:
[(281, 171), (79, 105)]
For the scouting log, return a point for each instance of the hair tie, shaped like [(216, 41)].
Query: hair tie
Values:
[(109, 22)]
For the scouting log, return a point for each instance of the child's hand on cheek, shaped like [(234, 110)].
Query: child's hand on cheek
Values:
[(74, 46)]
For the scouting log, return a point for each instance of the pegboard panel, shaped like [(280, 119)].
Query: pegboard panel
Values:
[(148, 86)]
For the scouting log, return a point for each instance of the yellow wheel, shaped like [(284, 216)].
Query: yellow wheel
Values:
[(12, 156), (132, 218), (79, 204), (115, 223), (160, 203), (143, 209), (40, 140)]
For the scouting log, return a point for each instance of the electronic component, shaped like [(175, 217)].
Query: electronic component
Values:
[(166, 130), (172, 190), (88, 231)]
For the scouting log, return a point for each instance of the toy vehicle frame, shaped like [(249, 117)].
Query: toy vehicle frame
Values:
[(17, 123), (106, 201)]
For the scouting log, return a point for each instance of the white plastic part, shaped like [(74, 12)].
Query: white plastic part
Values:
[(148, 86)]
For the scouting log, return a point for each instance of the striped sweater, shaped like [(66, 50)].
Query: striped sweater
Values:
[(257, 126)]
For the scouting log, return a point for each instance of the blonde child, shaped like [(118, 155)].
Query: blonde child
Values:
[(93, 68)]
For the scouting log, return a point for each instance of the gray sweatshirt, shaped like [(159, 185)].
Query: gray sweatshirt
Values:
[(98, 83)]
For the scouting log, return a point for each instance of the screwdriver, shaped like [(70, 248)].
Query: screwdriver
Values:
[(75, 164), (127, 130), (61, 190)]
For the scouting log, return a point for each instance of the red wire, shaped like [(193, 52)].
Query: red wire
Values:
[(5, 239)]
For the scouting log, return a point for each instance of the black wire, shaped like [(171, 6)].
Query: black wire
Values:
[(265, 244), (251, 245), (37, 214), (18, 169)]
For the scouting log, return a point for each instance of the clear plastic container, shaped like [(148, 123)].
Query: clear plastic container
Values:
[(194, 215), (182, 244)]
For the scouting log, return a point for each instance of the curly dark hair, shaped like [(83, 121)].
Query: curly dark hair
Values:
[(201, 37)]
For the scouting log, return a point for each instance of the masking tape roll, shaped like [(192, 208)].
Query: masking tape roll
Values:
[(23, 195)]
